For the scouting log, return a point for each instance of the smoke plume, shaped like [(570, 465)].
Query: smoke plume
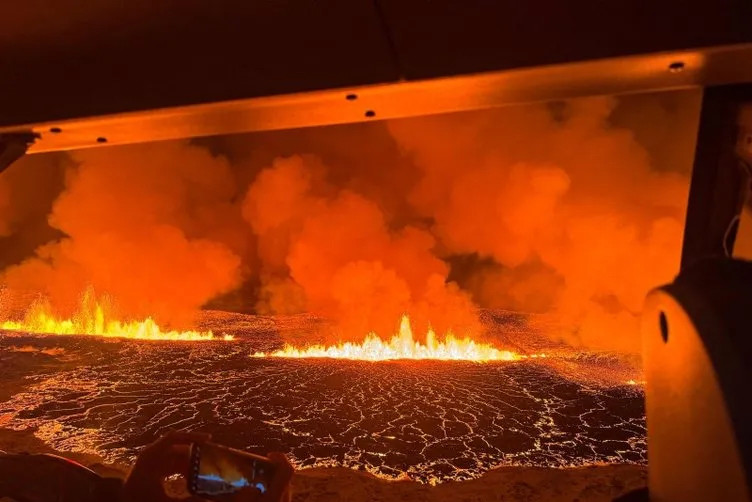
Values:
[(333, 249), (574, 210), (566, 206), (144, 225)]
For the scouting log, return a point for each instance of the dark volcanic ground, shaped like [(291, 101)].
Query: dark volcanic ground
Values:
[(433, 420)]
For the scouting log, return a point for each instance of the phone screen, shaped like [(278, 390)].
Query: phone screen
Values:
[(219, 470)]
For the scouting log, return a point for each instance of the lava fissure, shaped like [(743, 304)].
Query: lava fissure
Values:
[(94, 317), (403, 346)]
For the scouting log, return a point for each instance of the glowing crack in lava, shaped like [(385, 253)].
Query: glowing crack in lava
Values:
[(92, 318), (403, 346)]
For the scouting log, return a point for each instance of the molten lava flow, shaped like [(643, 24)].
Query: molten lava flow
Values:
[(92, 319), (403, 346)]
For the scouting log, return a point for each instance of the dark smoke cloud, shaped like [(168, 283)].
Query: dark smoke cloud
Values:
[(27, 190), (5, 209)]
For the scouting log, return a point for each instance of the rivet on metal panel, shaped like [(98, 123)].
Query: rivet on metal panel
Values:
[(676, 67), (101, 139), (351, 97), (370, 113)]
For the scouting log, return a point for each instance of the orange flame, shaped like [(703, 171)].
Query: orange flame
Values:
[(403, 346), (92, 319)]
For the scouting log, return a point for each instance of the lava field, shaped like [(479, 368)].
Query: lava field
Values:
[(433, 421)]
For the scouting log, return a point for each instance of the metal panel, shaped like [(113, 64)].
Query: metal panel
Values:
[(693, 450), (696, 356), (63, 59), (404, 99)]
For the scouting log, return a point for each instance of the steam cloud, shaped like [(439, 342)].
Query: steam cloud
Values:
[(569, 209), (141, 226), (574, 210), (343, 259)]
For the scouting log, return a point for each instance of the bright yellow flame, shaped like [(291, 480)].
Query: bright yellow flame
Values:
[(91, 319), (403, 346)]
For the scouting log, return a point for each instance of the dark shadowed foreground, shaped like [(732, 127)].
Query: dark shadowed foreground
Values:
[(596, 483)]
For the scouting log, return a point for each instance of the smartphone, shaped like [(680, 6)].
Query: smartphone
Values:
[(217, 470)]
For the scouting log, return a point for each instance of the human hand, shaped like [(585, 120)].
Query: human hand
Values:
[(171, 454), (167, 456), (280, 489)]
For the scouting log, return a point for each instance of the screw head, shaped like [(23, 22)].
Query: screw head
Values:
[(676, 67)]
